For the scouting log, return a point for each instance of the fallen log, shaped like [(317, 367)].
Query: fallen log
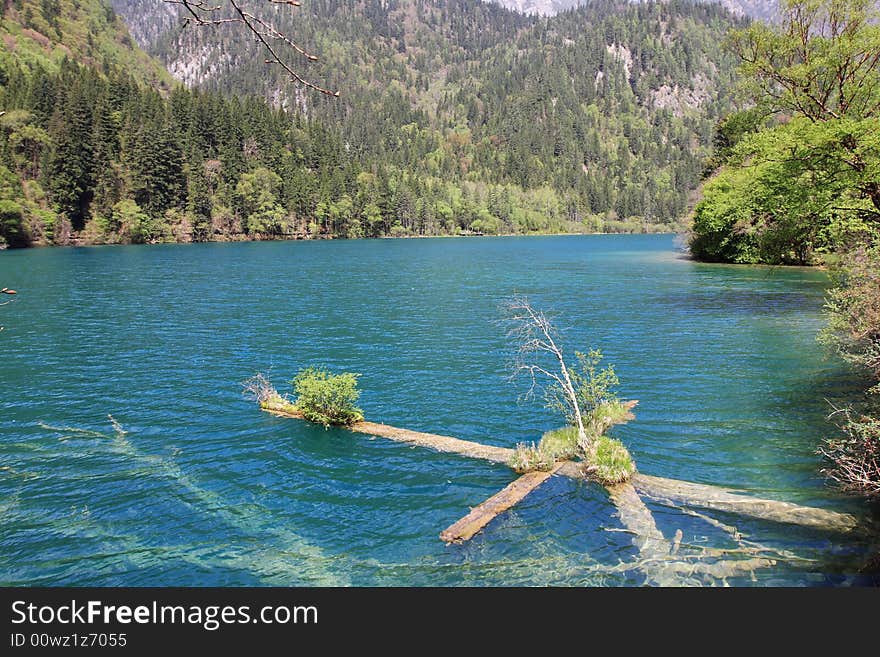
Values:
[(436, 442), (669, 491), (482, 515), (433, 441), (672, 491), (638, 519)]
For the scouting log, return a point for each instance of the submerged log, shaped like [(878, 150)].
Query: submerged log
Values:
[(660, 560), (482, 515), (639, 520), (721, 499), (656, 558), (670, 491), (674, 492)]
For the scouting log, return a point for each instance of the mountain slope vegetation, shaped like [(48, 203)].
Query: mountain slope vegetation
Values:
[(455, 116), (39, 33), (610, 106), (763, 9)]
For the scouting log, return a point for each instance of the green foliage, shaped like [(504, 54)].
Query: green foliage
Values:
[(853, 331), (257, 193), (13, 231), (41, 34), (853, 311), (608, 461), (28, 143), (490, 122), (809, 185), (593, 388), (854, 455), (609, 413), (70, 162), (730, 131), (12, 224), (326, 398), (820, 62), (611, 462), (460, 116), (155, 160), (132, 223), (125, 223), (787, 194), (560, 443)]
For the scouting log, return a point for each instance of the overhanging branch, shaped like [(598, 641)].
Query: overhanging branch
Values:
[(201, 13)]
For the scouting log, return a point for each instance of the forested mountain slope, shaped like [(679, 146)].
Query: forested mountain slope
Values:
[(610, 106), (42, 33), (455, 116), (763, 9)]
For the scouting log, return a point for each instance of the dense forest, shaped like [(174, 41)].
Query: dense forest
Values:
[(763, 9), (454, 117)]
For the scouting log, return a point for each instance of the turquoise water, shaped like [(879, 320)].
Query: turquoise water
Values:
[(204, 489)]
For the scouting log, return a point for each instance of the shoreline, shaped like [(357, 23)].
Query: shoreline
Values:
[(679, 255), (324, 239), (761, 265)]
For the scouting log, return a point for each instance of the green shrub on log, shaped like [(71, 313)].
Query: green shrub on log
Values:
[(609, 462), (608, 414), (327, 398)]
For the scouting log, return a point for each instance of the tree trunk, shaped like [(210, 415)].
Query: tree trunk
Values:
[(585, 443)]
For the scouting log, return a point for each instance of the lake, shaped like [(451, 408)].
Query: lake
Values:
[(205, 489)]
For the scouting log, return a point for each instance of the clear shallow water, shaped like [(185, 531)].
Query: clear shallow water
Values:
[(207, 490)]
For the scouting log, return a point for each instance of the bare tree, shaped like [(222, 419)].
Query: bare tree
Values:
[(259, 388), (539, 356), (277, 44), (855, 455)]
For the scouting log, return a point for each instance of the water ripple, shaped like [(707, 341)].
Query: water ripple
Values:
[(205, 489)]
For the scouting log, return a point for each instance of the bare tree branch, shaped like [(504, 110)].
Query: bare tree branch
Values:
[(203, 13), (535, 337)]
